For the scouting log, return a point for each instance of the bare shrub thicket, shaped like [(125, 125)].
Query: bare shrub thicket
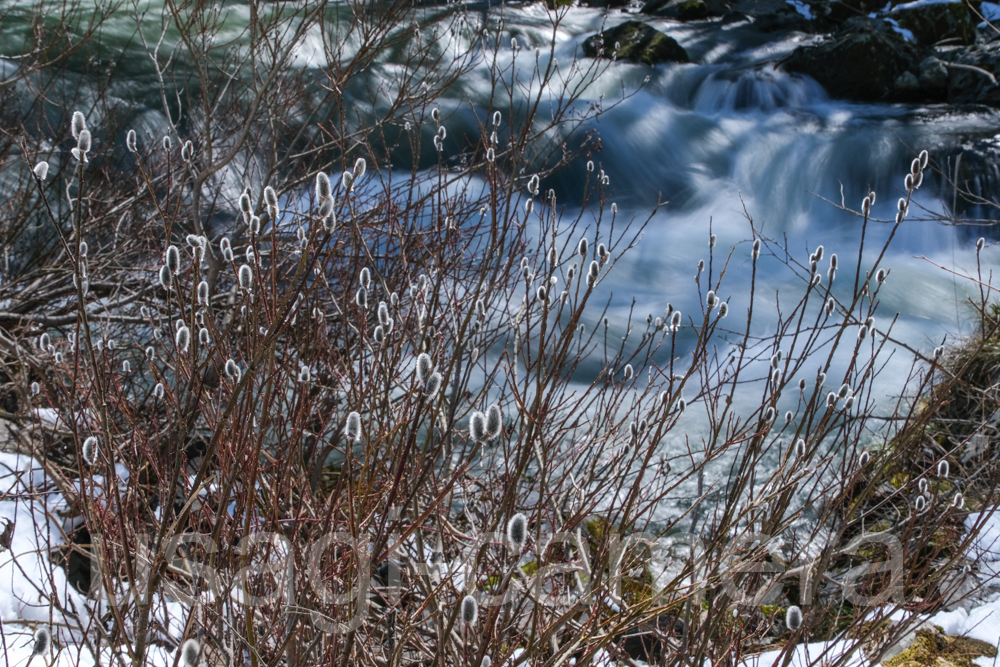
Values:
[(313, 373)]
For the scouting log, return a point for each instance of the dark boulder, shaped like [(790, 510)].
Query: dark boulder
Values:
[(972, 75), (773, 15), (638, 42), (681, 10), (862, 61), (933, 78), (613, 4), (933, 23)]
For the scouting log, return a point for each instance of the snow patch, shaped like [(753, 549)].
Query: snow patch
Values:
[(801, 8)]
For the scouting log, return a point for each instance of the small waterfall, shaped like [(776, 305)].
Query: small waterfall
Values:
[(760, 89)]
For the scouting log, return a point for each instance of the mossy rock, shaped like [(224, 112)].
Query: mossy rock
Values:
[(899, 479), (636, 588), (934, 648), (637, 42)]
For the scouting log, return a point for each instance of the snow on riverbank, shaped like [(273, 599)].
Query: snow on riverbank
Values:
[(32, 586)]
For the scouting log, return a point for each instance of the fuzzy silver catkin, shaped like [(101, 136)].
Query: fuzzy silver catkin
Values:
[(203, 292), (800, 448), (477, 427), (980, 244), (190, 652), (366, 278), (424, 367), (383, 313), (167, 142), (130, 141), (352, 429), (360, 167), (831, 400), (41, 170), (271, 201), (233, 371), (793, 618), (844, 391), (863, 459), (470, 610), (323, 187), (862, 333), (42, 639), (158, 390), (77, 125), (203, 337), (755, 252), (187, 151), (494, 422), (165, 277), (517, 531), (920, 504), (82, 146), (89, 450), (245, 276), (958, 501), (327, 215), (675, 320), (36, 389), (183, 338), (174, 259), (628, 373), (496, 119), (433, 385), (943, 469)]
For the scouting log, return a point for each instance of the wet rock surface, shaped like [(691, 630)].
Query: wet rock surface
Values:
[(638, 42)]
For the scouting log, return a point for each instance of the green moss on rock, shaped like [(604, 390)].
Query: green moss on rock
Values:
[(937, 649), (637, 42)]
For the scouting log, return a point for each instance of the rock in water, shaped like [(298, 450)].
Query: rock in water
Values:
[(637, 42), (932, 23), (974, 80), (863, 61), (682, 10)]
